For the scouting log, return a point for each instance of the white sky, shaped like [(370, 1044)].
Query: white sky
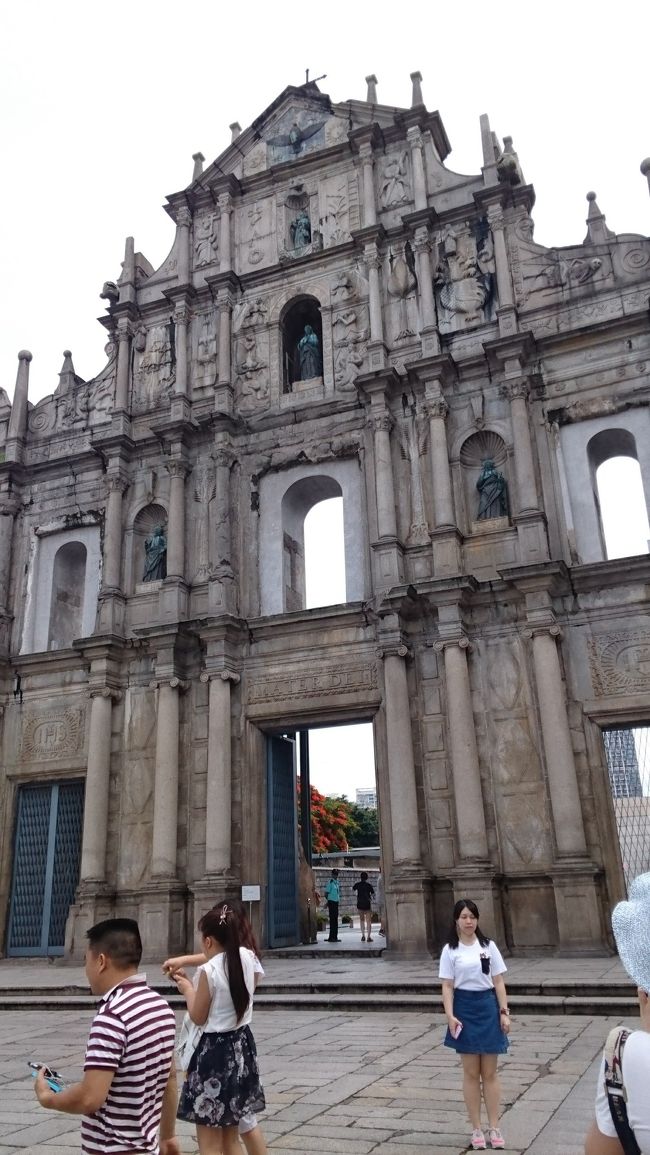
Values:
[(103, 106)]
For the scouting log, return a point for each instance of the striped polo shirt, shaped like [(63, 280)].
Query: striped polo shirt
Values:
[(132, 1034)]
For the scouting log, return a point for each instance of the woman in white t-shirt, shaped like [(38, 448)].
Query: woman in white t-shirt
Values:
[(475, 1002)]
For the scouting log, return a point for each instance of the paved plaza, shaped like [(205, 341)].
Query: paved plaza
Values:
[(372, 1083)]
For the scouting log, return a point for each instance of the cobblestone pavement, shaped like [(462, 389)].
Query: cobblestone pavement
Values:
[(374, 1083)]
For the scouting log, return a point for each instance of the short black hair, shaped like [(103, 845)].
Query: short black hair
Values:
[(119, 938)]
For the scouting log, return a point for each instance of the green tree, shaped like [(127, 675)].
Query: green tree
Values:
[(364, 828)]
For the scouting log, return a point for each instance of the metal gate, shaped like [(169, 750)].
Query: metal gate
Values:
[(282, 843), (628, 761), (46, 867)]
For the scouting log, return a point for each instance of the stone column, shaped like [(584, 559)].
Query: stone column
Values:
[(218, 811), (225, 257), (401, 762), (382, 424), (504, 280), (443, 500), (562, 778), (468, 795), (414, 137), (369, 201), (224, 306), (112, 558), (123, 364), (176, 528), (7, 515), (376, 322), (526, 500), (18, 416), (428, 330), (93, 847), (183, 222), (181, 317), (165, 806)]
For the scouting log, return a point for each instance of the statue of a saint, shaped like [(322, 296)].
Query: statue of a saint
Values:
[(300, 230), (309, 358), (155, 550), (492, 490)]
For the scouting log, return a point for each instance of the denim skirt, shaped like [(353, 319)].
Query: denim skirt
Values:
[(478, 1011)]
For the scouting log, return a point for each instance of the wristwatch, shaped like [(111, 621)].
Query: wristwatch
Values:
[(504, 1011)]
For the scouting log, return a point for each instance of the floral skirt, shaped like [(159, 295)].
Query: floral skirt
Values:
[(222, 1082)]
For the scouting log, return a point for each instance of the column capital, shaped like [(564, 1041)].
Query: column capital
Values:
[(462, 641), (542, 629), (224, 456), (116, 483), (222, 675), (224, 200), (421, 242), (517, 388), (124, 329), (183, 217), (174, 683), (393, 651), (414, 133), (177, 468), (105, 692), (495, 216), (181, 313), (436, 407)]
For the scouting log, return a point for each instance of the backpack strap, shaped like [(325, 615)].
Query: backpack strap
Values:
[(616, 1094)]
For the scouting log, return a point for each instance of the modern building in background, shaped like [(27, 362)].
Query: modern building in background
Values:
[(341, 314), (366, 797)]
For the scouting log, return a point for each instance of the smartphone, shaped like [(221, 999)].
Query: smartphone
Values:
[(457, 1029), (52, 1078)]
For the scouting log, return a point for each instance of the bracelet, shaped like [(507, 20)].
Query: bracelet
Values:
[(504, 1011)]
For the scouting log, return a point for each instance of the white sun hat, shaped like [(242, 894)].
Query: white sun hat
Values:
[(631, 926)]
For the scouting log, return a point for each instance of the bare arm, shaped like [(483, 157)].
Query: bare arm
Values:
[(448, 1003), (82, 1098), (169, 1104), (500, 988), (598, 1144), (198, 1001), (183, 960)]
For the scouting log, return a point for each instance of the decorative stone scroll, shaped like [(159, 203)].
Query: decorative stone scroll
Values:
[(326, 682), (620, 662), (52, 735)]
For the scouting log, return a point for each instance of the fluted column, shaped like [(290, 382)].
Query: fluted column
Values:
[(443, 500), (176, 528), (225, 253), (218, 813), (123, 364), (504, 280), (165, 806), (18, 416), (470, 814), (369, 201), (7, 515), (401, 761), (224, 460), (93, 846), (183, 222), (112, 557), (181, 317), (382, 424), (526, 499), (422, 248), (224, 305), (414, 137), (374, 292), (558, 748)]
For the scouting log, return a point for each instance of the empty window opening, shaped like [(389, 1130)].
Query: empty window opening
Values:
[(623, 513), (324, 557), (628, 762), (67, 601)]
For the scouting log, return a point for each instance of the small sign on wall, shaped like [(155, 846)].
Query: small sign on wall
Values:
[(250, 893)]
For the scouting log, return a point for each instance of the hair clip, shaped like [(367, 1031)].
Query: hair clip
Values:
[(224, 913)]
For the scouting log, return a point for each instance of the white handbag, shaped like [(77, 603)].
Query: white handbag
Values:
[(187, 1042)]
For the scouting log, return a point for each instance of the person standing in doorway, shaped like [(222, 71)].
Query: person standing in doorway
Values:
[(333, 898), (365, 894)]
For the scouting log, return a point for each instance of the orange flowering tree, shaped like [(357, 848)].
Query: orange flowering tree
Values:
[(331, 822)]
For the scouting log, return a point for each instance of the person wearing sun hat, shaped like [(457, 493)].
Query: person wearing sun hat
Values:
[(631, 927)]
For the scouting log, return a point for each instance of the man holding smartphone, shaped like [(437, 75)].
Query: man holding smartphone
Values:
[(127, 1095)]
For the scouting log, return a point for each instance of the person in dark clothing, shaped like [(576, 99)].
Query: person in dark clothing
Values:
[(365, 894)]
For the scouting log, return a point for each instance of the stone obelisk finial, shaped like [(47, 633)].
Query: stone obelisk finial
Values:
[(416, 97), (371, 95)]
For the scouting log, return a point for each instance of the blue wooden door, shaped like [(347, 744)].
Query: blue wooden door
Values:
[(282, 843), (46, 867)]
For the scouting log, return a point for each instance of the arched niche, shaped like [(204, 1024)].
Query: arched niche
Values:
[(144, 523), (478, 448), (67, 595), (582, 448), (301, 328), (286, 498), (618, 493)]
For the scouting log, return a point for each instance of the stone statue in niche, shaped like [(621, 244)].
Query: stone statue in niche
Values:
[(394, 185), (155, 556), (491, 486), (465, 278), (309, 355), (401, 285), (205, 239), (300, 230)]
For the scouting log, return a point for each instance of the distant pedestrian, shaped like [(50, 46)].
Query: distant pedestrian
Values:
[(365, 894), (127, 1095), (475, 1002), (333, 898)]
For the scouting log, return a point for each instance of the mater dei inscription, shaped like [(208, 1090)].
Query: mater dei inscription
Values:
[(55, 734), (334, 680)]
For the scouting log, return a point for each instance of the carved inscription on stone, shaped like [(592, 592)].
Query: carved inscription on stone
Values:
[(55, 734), (330, 680), (620, 662)]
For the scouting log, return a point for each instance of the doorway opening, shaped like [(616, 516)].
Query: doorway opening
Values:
[(627, 749), (47, 852), (323, 813)]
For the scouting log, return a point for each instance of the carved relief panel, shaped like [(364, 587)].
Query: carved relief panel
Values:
[(395, 181), (153, 367), (339, 208), (205, 240), (251, 354), (256, 225), (464, 277), (204, 349), (401, 312)]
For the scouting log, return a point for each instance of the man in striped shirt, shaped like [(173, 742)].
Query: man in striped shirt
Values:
[(127, 1095)]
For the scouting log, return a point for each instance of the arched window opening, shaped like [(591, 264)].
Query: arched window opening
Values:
[(302, 343), (623, 513), (321, 553), (67, 599), (325, 554)]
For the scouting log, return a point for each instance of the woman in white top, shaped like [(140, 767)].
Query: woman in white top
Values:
[(474, 998), (222, 1084)]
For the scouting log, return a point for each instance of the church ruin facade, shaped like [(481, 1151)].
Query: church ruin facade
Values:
[(340, 315)]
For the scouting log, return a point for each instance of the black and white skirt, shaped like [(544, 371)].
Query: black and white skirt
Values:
[(222, 1081)]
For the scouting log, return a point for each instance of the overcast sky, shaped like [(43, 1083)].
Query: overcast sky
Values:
[(103, 106)]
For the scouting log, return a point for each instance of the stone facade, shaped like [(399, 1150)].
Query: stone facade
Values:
[(487, 651)]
